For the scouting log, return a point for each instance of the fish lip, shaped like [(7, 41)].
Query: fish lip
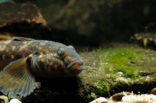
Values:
[(80, 68)]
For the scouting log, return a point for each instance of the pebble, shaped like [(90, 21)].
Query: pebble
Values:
[(143, 98), (153, 91), (127, 97), (118, 96), (15, 101), (4, 98), (100, 100)]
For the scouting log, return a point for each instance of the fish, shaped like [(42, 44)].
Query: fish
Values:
[(23, 59)]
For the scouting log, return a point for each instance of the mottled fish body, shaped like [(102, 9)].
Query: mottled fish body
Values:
[(21, 59)]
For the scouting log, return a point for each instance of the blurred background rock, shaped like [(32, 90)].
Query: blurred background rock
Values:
[(94, 22)]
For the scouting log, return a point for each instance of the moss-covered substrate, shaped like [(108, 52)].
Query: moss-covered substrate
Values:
[(108, 71)]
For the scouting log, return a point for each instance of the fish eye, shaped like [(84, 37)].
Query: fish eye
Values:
[(60, 52)]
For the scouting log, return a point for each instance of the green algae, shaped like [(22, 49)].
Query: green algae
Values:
[(113, 70), (117, 61), (122, 60)]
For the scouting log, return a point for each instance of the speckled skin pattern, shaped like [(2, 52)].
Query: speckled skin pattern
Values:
[(44, 55)]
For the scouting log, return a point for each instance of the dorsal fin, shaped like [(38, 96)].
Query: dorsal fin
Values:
[(22, 39), (4, 37)]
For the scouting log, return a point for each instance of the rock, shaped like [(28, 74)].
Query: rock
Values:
[(118, 96), (20, 12), (24, 19), (100, 100), (147, 40), (153, 91)]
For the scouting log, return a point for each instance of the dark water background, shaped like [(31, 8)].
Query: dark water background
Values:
[(94, 22)]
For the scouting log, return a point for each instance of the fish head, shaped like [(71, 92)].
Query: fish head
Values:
[(73, 62), (63, 61)]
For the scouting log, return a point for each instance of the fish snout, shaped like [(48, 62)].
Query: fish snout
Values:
[(77, 65)]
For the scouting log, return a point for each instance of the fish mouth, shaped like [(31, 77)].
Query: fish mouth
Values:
[(76, 65)]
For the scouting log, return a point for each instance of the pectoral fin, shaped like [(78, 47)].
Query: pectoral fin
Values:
[(16, 79)]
